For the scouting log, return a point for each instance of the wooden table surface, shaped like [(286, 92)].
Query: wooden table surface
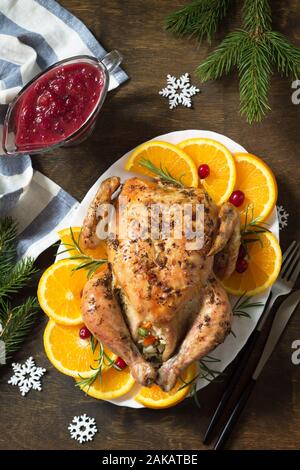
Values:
[(132, 114)]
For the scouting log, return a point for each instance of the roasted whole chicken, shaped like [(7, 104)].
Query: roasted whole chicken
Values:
[(157, 302)]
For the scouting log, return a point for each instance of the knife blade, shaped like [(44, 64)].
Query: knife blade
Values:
[(280, 321)]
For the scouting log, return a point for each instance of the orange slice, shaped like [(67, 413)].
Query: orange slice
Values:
[(70, 354), (258, 183), (164, 156), (221, 180), (99, 252), (155, 397), (263, 268), (59, 292), (114, 384)]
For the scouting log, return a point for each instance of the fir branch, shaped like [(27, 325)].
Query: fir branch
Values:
[(18, 277), (223, 59), (257, 16), (16, 322), (254, 73), (162, 173), (285, 56), (254, 50), (8, 233), (200, 18)]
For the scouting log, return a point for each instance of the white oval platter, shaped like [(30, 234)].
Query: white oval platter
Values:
[(242, 327)]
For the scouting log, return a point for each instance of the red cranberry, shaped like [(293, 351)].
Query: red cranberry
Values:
[(84, 333), (241, 265), (237, 198), (120, 363), (242, 252), (203, 171)]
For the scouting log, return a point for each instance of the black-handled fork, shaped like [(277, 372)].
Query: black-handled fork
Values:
[(280, 321), (284, 284)]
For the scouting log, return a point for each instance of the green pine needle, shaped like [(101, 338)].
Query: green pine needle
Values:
[(285, 56), (17, 277), (16, 323), (200, 18), (223, 59), (255, 50), (257, 15), (15, 320), (8, 233), (255, 73)]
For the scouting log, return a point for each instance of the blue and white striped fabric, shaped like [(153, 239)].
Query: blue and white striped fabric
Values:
[(33, 35)]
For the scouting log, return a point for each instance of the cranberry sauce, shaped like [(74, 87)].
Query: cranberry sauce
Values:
[(57, 104)]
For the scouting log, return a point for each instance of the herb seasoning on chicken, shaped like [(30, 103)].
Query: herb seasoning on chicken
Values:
[(164, 308)]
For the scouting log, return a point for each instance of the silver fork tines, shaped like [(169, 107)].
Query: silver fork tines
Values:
[(293, 272), (290, 263)]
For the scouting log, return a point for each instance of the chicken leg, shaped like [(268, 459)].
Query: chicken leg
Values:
[(208, 330), (227, 242), (102, 315)]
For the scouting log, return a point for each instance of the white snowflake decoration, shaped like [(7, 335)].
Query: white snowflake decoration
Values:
[(27, 376), (83, 428), (283, 216), (179, 91)]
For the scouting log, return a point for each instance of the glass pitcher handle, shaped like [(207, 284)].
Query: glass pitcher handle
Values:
[(112, 60)]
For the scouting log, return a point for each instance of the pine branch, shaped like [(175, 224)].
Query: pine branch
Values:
[(257, 16), (223, 59), (200, 18), (18, 277), (16, 323), (254, 51), (255, 73), (285, 56), (15, 320), (8, 233)]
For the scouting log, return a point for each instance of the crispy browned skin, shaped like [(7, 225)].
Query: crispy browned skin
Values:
[(102, 315), (227, 242), (209, 329), (162, 281)]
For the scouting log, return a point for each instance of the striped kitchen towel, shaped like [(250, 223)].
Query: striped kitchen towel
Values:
[(33, 35)]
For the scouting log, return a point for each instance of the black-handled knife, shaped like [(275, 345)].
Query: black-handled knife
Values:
[(280, 321)]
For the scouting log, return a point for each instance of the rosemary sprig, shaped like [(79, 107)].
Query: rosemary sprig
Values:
[(103, 359), (86, 261), (206, 373), (162, 173), (253, 227), (243, 304)]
